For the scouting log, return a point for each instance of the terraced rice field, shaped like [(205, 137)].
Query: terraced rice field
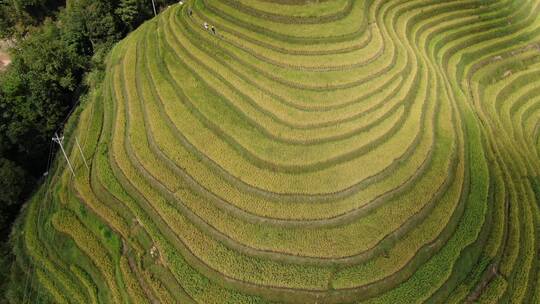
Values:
[(333, 151)]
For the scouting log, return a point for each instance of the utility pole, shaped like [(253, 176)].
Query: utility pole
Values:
[(82, 154), (60, 140), (154, 6)]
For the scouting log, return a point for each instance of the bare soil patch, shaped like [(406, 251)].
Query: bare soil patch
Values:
[(5, 58)]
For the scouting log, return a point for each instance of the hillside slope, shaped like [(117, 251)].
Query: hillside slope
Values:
[(335, 152)]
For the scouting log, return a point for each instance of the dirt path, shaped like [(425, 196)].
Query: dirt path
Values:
[(5, 59), (134, 269)]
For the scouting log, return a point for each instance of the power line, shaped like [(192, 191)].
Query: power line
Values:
[(82, 154), (59, 140), (31, 272), (48, 182), (154, 6)]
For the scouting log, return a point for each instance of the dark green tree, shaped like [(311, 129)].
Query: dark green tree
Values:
[(37, 92), (18, 16), (129, 12), (88, 25), (135, 12), (12, 183)]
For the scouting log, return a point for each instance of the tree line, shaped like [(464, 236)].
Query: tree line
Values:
[(59, 50)]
